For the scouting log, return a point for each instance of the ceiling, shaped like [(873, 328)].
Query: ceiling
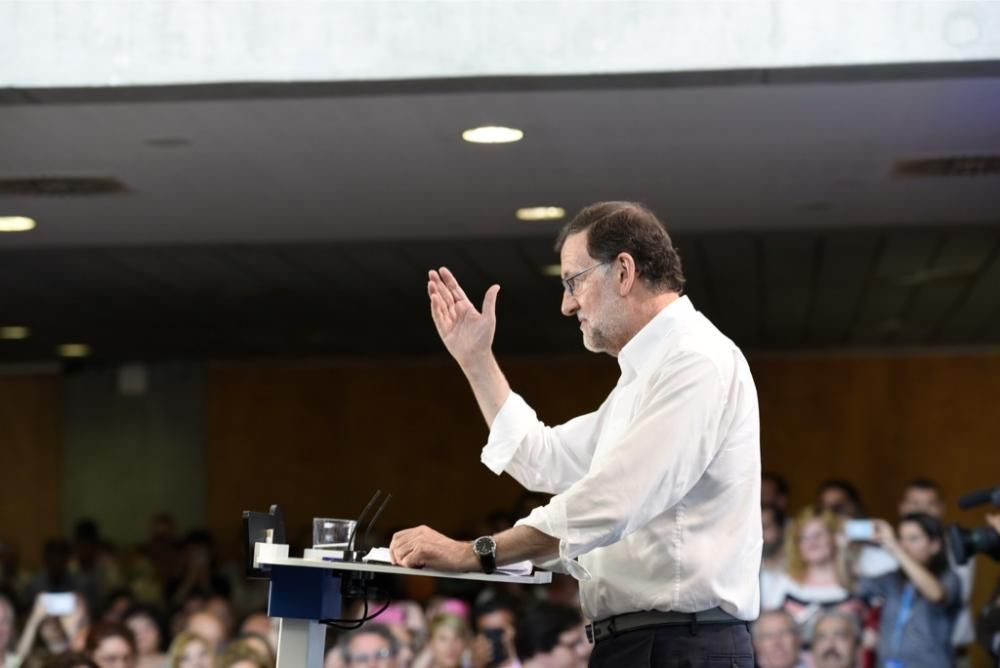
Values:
[(302, 222)]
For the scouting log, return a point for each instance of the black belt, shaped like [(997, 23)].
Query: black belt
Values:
[(634, 621)]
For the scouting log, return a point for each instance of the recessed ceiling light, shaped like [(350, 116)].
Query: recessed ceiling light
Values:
[(14, 332), (16, 224), (541, 213), (74, 350), (552, 270), (492, 134)]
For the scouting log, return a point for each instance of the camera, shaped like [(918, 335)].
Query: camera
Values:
[(965, 543)]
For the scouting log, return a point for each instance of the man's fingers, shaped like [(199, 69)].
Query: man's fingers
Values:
[(452, 284), (437, 286)]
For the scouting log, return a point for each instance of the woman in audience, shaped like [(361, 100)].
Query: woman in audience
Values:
[(920, 601), (814, 579), (46, 635), (189, 650), (243, 654), (447, 642), (145, 627), (111, 646)]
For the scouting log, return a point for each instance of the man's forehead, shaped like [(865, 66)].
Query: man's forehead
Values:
[(369, 640), (574, 255)]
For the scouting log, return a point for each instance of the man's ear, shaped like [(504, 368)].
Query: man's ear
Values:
[(625, 272)]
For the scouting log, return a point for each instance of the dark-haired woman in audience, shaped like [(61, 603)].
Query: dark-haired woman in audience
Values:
[(920, 601), (145, 626), (815, 578), (111, 646)]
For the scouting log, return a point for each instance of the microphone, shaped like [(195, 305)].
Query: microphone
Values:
[(361, 517), (375, 517), (980, 497)]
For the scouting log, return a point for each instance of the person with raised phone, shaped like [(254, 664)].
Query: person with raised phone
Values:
[(657, 492)]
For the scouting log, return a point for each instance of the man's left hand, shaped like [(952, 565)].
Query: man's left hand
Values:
[(423, 547)]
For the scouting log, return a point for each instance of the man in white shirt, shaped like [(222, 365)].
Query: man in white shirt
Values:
[(657, 506)]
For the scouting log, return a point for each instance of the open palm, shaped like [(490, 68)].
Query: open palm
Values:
[(466, 332)]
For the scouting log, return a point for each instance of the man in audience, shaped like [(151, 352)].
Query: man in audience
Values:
[(922, 495), (841, 498), (552, 636), (208, 626), (776, 640), (371, 645), (773, 558), (496, 616), (774, 492), (836, 640)]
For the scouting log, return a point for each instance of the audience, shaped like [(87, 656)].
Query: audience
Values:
[(207, 626), (921, 600), (371, 645), (448, 639), (550, 635), (494, 622), (70, 660), (776, 640), (189, 651), (774, 491), (814, 579), (836, 640), (244, 653), (772, 564), (111, 646), (7, 657)]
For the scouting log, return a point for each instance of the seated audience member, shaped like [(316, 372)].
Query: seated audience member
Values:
[(117, 604), (189, 650), (8, 659), (774, 492), (776, 640), (448, 639), (551, 636), (920, 601), (814, 578), (111, 646), (243, 654), (146, 628), (46, 635), (209, 628), (405, 620), (772, 563), (841, 498), (69, 660), (494, 622), (259, 624), (259, 644), (371, 645), (923, 495), (836, 641)]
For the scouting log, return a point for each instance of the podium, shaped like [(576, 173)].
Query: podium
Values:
[(305, 590)]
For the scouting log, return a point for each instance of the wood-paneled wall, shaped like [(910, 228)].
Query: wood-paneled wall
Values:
[(30, 462)]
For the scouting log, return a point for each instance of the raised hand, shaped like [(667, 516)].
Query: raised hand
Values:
[(466, 332)]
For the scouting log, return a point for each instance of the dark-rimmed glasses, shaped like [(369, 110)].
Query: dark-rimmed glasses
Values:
[(569, 283)]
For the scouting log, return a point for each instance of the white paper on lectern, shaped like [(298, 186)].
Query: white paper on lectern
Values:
[(381, 555)]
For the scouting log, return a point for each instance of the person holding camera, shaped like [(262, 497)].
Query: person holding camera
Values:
[(988, 624), (920, 601)]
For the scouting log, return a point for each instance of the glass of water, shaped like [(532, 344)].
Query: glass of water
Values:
[(332, 534)]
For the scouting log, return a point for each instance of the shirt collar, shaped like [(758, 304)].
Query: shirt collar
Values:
[(641, 347)]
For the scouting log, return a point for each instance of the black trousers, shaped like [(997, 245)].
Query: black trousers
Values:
[(703, 646)]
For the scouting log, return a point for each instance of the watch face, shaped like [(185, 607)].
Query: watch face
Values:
[(485, 545)]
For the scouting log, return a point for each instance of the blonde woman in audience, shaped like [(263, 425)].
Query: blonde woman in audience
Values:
[(189, 650), (815, 577), (448, 641), (244, 654)]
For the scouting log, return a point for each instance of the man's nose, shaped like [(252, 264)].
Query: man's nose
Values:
[(569, 304)]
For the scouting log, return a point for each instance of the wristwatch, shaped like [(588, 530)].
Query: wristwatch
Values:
[(486, 549)]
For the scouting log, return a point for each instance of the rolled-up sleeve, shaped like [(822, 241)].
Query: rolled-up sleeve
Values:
[(669, 443), (541, 458)]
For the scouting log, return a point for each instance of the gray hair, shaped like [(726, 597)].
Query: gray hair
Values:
[(776, 613), (852, 621)]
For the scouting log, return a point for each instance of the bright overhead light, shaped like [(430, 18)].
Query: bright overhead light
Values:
[(14, 332), (552, 270), (16, 224), (74, 350), (541, 213), (492, 134)]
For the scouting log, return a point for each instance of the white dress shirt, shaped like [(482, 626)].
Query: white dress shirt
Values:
[(658, 491)]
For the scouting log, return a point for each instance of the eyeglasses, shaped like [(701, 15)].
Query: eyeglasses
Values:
[(569, 283), (372, 657)]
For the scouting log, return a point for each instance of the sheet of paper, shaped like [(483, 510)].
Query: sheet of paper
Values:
[(380, 555)]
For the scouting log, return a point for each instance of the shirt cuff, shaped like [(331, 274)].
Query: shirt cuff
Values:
[(509, 428), (551, 520)]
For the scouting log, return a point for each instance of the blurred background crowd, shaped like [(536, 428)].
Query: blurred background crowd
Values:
[(835, 593)]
